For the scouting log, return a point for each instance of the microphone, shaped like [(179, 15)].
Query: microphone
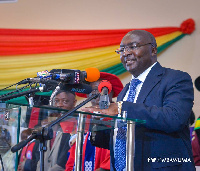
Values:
[(38, 80), (92, 74), (23, 143), (8, 97), (105, 87), (68, 76)]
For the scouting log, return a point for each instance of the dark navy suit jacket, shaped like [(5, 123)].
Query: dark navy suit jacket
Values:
[(165, 102)]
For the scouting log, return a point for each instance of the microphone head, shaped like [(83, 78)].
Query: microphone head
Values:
[(197, 83), (93, 74), (105, 83)]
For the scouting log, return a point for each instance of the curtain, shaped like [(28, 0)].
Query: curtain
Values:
[(25, 52)]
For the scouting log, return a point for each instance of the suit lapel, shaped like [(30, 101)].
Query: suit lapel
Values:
[(152, 79)]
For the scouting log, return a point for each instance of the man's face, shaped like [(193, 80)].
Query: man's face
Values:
[(65, 101), (137, 60), (62, 100)]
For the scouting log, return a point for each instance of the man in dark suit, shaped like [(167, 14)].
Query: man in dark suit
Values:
[(162, 97)]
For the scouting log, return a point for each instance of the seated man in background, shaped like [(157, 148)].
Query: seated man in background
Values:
[(57, 148), (95, 158), (59, 145)]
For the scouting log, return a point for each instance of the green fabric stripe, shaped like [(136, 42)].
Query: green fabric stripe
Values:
[(116, 69), (196, 128), (166, 45)]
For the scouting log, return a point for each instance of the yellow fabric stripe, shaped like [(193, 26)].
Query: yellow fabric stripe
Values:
[(15, 69), (164, 39), (197, 124)]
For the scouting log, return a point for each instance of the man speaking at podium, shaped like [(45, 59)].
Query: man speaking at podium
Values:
[(162, 97)]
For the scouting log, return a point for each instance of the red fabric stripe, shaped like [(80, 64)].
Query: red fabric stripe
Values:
[(17, 45), (79, 32)]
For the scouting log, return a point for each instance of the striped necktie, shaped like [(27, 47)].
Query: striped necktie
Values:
[(120, 146)]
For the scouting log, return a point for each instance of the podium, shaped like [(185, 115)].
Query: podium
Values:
[(18, 117)]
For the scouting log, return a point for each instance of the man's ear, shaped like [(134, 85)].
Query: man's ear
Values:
[(154, 51)]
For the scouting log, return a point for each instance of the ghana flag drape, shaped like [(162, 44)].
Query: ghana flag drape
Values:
[(23, 53)]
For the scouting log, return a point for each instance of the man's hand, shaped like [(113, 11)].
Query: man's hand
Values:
[(112, 110)]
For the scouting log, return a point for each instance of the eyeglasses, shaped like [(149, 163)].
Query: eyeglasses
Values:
[(129, 48)]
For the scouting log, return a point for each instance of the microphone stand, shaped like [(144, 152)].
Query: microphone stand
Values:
[(46, 133), (21, 93)]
